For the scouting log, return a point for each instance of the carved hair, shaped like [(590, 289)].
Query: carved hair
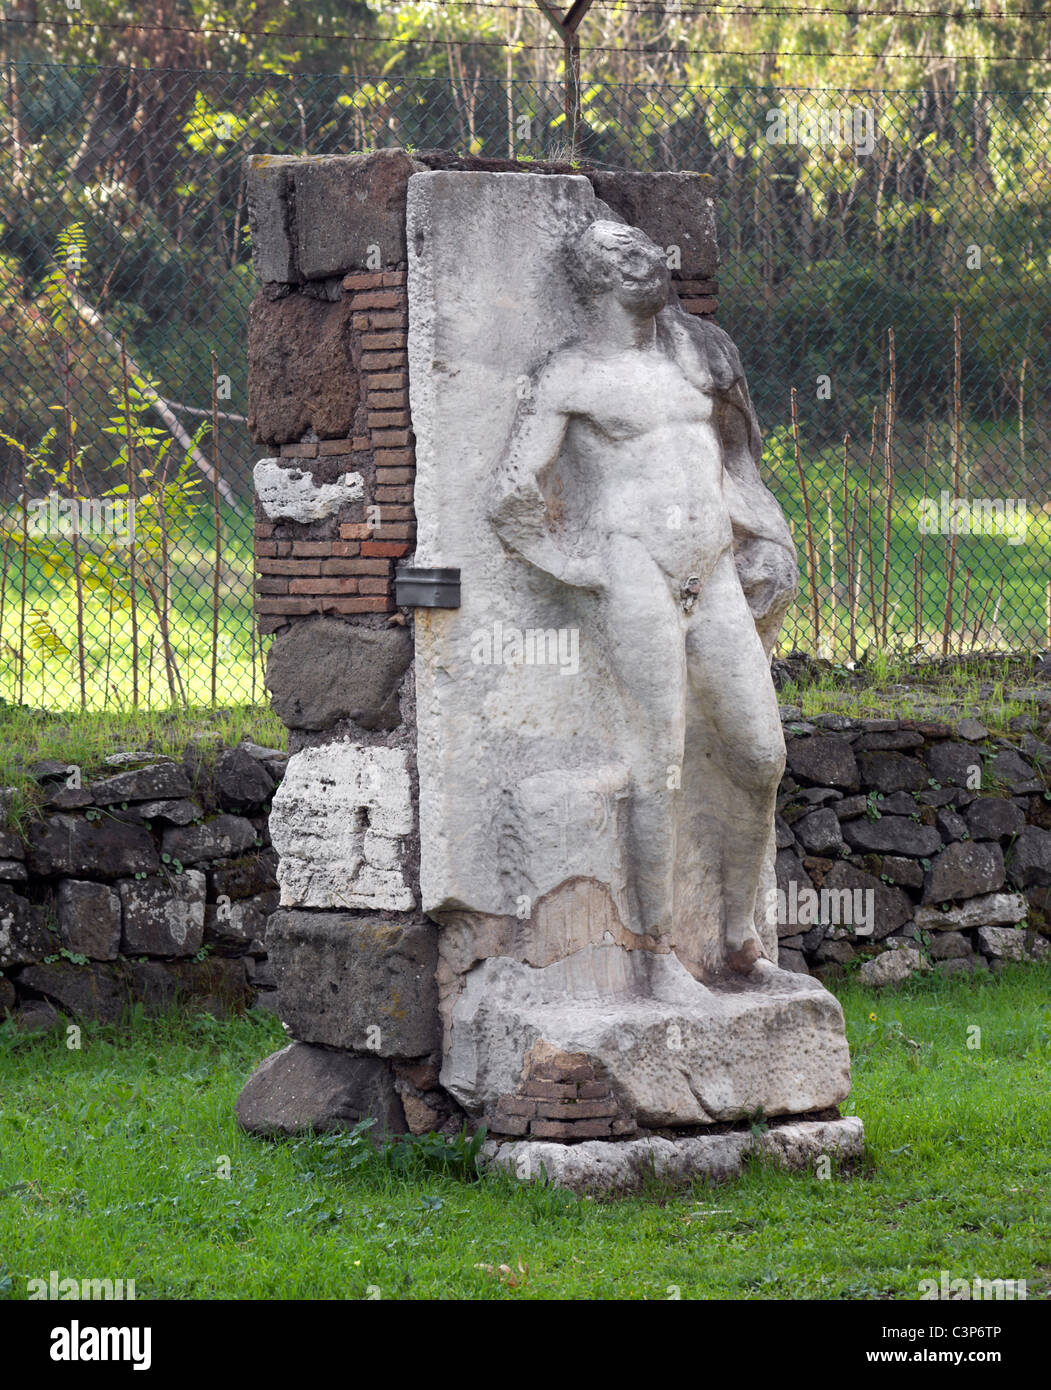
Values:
[(585, 263)]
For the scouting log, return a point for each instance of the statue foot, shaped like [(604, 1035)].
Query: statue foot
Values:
[(742, 953)]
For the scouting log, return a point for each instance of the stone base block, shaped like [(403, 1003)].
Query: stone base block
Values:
[(640, 1028), (597, 1165), (302, 1089), (366, 986)]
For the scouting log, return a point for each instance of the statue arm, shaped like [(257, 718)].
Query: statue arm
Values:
[(517, 508), (763, 547)]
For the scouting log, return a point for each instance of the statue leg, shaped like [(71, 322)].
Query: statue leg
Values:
[(642, 640), (733, 708)]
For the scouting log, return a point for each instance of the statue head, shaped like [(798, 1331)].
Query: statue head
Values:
[(612, 258)]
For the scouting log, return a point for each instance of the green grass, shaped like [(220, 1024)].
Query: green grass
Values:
[(43, 671), (85, 739), (109, 1159), (1016, 617), (890, 686)]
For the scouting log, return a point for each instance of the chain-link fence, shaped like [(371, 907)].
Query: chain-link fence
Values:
[(885, 274)]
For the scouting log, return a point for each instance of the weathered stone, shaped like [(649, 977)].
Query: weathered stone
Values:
[(181, 812), (604, 1166), (819, 833), (792, 959), (11, 846), (71, 846), (60, 798), (672, 209), (275, 760), (823, 759), (215, 986), (841, 952), (972, 730), (993, 818), (23, 935), (304, 1089), (162, 782), (1037, 749), (1029, 858), (89, 918), (887, 910), (906, 873), (339, 822), (288, 492), (7, 996), (267, 186), (301, 374), (993, 909), (851, 807), (360, 985), (961, 965), (892, 835), (50, 769), (103, 990), (784, 839), (96, 991), (37, 1016), (220, 837), (951, 825), (241, 781), (891, 772), (350, 211), (964, 870), (788, 867), (657, 1043), (1011, 943), (892, 967), (954, 763), (888, 742), (237, 924), (246, 877), (163, 916), (898, 804), (13, 871), (324, 671), (1011, 770), (950, 945)]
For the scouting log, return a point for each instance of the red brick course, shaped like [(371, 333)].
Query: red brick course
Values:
[(350, 570)]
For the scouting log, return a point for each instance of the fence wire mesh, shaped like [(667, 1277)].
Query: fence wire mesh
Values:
[(885, 274)]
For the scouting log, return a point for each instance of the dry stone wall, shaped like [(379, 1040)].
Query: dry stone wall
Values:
[(913, 845), (151, 884)]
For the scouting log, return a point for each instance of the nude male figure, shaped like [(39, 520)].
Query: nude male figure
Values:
[(631, 476)]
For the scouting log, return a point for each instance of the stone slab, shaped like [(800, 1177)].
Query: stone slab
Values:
[(609, 1166), (339, 821), (676, 1052), (367, 986)]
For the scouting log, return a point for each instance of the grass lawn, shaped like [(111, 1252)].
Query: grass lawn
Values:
[(38, 640), (110, 1159), (85, 739)]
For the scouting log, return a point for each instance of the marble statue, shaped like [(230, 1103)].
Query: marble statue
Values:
[(647, 420), (598, 740)]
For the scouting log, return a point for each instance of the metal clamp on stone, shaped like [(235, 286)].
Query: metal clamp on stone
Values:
[(427, 588)]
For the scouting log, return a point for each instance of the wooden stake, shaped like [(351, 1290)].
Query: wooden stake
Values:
[(957, 453), (811, 551)]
